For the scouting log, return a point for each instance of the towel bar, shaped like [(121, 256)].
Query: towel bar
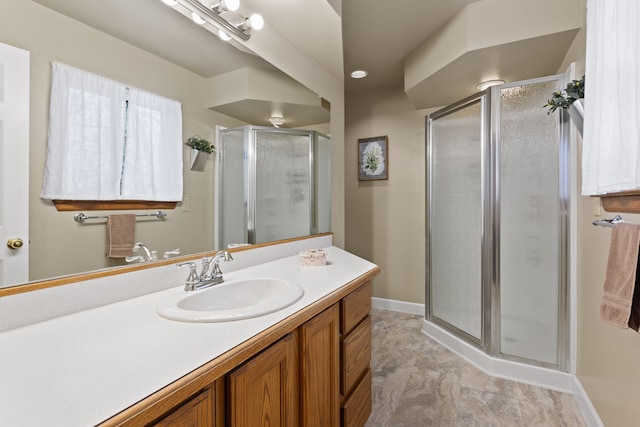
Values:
[(607, 222), (81, 217)]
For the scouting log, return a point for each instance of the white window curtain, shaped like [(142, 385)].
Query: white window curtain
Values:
[(108, 141), (611, 135)]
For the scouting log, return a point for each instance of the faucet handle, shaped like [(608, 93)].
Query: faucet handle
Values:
[(204, 274), (193, 275), (135, 258), (167, 254)]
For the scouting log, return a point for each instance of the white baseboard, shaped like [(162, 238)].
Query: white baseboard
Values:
[(586, 407), (520, 372), (400, 306)]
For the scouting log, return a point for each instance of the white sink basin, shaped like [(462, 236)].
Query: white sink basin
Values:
[(231, 300)]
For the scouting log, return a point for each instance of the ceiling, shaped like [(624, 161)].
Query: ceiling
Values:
[(379, 34), (438, 51), (174, 37), (180, 41), (376, 35)]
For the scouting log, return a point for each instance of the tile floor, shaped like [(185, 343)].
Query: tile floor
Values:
[(418, 382)]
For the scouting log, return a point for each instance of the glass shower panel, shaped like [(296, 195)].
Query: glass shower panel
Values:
[(456, 219), (322, 158), (232, 204), (283, 185), (530, 207)]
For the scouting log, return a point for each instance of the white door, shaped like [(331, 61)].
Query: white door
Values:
[(14, 165)]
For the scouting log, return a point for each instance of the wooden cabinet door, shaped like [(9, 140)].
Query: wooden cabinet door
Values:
[(320, 370), (196, 412), (264, 391)]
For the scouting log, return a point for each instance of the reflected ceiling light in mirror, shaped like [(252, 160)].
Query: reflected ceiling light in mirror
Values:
[(488, 83), (220, 14), (276, 121), (224, 36), (197, 18), (359, 74)]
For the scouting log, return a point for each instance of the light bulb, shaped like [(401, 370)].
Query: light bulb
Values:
[(256, 21), (224, 36), (225, 5), (197, 18), (232, 5), (276, 121)]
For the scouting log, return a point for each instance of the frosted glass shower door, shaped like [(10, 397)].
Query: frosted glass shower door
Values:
[(322, 160), (232, 169), (530, 201), (456, 218), (282, 185)]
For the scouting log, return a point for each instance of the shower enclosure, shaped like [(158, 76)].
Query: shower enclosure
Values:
[(498, 191), (272, 184)]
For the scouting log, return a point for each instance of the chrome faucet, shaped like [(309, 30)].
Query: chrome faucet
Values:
[(147, 257), (205, 279)]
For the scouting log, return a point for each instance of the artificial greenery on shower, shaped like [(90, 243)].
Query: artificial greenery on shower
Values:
[(567, 96), (200, 144)]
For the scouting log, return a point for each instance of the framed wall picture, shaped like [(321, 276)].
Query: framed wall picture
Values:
[(373, 158)]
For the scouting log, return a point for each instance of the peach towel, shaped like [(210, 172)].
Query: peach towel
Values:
[(620, 280), (121, 235)]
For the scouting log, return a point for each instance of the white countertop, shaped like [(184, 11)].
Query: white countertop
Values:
[(80, 369)]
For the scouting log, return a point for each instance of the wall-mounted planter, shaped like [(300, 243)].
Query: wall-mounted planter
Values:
[(198, 160), (576, 112)]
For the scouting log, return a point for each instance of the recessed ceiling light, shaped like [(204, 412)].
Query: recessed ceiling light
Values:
[(170, 2), (488, 83), (359, 74)]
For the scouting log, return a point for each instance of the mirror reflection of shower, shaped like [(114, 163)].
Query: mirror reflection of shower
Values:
[(271, 184)]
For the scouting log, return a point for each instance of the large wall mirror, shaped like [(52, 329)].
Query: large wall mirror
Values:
[(148, 45)]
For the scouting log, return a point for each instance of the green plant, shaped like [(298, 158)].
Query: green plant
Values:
[(567, 96), (200, 144)]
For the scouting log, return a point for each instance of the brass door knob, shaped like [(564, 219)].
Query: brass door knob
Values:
[(15, 243)]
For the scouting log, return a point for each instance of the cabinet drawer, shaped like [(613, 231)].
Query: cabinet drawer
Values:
[(356, 355), (354, 307), (356, 409)]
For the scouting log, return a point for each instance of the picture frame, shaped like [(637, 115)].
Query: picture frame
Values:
[(373, 158)]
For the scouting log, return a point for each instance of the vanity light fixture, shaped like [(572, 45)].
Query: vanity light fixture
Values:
[(221, 14), (276, 121), (359, 74), (488, 83)]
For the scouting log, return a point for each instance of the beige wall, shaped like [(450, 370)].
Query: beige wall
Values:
[(385, 220)]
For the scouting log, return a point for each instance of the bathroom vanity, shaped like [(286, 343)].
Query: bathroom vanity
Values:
[(123, 364), (311, 369)]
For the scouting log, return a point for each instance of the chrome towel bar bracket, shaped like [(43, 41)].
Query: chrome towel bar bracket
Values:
[(607, 222)]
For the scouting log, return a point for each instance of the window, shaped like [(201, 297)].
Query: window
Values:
[(108, 141)]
